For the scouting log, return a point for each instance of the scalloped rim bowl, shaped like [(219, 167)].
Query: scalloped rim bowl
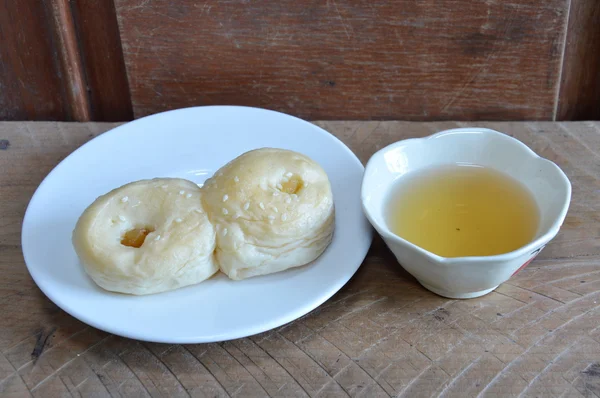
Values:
[(465, 277)]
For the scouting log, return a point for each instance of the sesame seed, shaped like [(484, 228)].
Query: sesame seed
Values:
[(294, 196), (181, 192), (236, 216), (198, 211), (224, 231), (288, 174), (124, 199), (225, 211), (288, 200), (121, 218), (236, 179), (283, 217), (275, 209), (275, 193), (189, 195), (271, 217), (285, 179), (157, 237), (178, 219), (279, 186), (261, 205), (225, 197), (246, 205)]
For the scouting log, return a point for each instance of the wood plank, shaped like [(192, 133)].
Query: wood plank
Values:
[(98, 34), (382, 334), (70, 58), (30, 72), (579, 97), (342, 59)]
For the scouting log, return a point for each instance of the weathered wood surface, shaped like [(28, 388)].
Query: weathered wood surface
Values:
[(30, 67), (102, 56), (334, 59), (537, 335), (348, 59), (579, 96)]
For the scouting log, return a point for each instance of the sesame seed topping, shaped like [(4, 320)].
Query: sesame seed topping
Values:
[(279, 186), (157, 237), (288, 200), (236, 179), (288, 174), (275, 209), (246, 205), (261, 205), (178, 219), (283, 217), (198, 211), (294, 196), (124, 199), (285, 179), (275, 193), (189, 195), (225, 211), (181, 192), (225, 197), (271, 217), (235, 217), (121, 218), (224, 231)]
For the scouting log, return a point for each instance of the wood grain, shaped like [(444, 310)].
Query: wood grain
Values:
[(537, 335), (70, 59), (343, 59), (31, 85), (579, 97), (100, 44)]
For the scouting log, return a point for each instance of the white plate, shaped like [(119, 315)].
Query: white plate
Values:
[(191, 143)]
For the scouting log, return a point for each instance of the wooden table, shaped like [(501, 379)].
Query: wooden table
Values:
[(382, 334)]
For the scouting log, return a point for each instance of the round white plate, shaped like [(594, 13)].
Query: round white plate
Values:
[(191, 143)]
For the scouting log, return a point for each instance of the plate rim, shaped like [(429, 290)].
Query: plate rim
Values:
[(275, 322)]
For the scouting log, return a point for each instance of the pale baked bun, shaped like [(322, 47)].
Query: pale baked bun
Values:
[(272, 209), (178, 248)]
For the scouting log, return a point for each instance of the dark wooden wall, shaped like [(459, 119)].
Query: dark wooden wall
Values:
[(317, 59)]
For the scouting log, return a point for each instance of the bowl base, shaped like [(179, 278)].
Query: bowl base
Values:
[(456, 295)]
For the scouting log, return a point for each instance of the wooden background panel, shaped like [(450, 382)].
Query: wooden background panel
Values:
[(347, 59), (580, 78), (31, 83), (102, 56)]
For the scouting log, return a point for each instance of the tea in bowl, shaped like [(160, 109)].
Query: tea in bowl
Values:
[(465, 209)]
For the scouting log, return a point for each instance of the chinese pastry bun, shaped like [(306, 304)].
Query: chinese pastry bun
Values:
[(147, 237), (272, 210)]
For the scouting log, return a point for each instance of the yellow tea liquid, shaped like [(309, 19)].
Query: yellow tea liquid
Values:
[(463, 210)]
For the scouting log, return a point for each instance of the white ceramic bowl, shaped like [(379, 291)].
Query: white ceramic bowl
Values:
[(465, 277)]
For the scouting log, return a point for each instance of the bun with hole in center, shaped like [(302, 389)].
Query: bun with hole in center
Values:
[(147, 237), (272, 210)]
